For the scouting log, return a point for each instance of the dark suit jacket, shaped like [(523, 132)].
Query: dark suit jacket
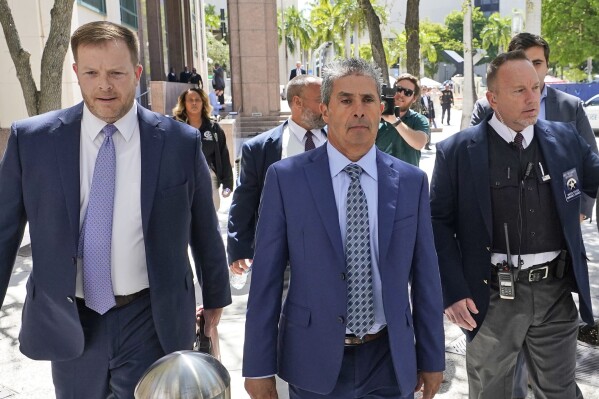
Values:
[(462, 214), (293, 73), (299, 226), (559, 107), (257, 154), (39, 184)]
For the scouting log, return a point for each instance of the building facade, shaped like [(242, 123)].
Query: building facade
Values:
[(171, 33)]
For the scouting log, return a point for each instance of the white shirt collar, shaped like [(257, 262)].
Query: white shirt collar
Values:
[(338, 161), (92, 125), (508, 134), (299, 132)]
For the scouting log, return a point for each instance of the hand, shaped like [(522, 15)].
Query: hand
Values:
[(211, 318), (582, 217), (429, 382), (459, 313), (261, 388), (226, 192), (240, 266)]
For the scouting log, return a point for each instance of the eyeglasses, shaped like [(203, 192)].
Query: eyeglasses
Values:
[(407, 92)]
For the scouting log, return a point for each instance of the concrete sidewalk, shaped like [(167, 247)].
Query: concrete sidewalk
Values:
[(22, 378)]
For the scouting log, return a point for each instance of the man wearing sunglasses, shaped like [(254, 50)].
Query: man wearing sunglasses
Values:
[(404, 135)]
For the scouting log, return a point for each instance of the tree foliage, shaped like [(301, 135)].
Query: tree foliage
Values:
[(570, 28), (218, 50), (497, 33), (49, 95), (211, 17), (455, 30)]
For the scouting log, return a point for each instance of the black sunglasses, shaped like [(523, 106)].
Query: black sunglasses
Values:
[(407, 92)]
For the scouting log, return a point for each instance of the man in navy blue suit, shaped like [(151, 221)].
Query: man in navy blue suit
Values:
[(348, 327), (505, 203), (257, 154), (161, 204)]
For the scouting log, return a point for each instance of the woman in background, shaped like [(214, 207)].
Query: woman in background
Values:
[(194, 109)]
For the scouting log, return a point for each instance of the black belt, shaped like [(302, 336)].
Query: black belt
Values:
[(122, 300), (353, 340), (533, 274)]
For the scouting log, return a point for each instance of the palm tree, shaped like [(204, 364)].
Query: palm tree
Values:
[(468, 90), (497, 32), (298, 29), (326, 21), (373, 22), (413, 37)]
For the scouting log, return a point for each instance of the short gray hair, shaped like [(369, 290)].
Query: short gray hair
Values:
[(346, 67), (295, 87)]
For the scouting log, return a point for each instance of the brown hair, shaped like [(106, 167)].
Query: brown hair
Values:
[(179, 112), (413, 79), (99, 32)]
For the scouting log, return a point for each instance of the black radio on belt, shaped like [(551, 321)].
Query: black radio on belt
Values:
[(505, 275), (560, 268)]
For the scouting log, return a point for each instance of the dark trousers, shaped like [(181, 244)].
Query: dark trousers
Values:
[(221, 98), (366, 373), (119, 346), (446, 107)]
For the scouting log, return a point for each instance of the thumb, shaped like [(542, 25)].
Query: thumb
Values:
[(471, 306)]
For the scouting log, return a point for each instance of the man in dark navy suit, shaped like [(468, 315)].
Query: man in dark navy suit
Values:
[(297, 71), (258, 153), (103, 319), (513, 185)]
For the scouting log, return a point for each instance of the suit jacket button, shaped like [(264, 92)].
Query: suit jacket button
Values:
[(70, 299), (342, 276), (341, 319)]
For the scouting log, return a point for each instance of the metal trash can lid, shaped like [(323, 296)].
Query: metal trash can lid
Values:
[(185, 375)]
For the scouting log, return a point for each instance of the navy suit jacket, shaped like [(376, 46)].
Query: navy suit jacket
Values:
[(39, 184), (559, 107), (257, 154), (299, 226), (293, 73), (462, 214)]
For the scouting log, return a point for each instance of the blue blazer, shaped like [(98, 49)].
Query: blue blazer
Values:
[(461, 209), (39, 184), (257, 154), (299, 226)]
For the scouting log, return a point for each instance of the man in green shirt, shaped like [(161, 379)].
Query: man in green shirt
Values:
[(405, 136)]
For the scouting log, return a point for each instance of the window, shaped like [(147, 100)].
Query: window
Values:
[(129, 13), (96, 5)]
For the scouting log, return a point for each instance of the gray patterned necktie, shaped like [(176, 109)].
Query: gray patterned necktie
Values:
[(95, 242), (360, 308)]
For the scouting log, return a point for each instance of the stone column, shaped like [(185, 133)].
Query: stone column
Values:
[(254, 56)]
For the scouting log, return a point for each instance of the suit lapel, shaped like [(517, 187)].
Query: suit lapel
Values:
[(478, 150), (274, 146), (318, 176), (67, 138), (388, 191), (152, 140), (551, 105)]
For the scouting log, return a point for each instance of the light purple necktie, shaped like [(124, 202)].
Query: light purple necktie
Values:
[(95, 240)]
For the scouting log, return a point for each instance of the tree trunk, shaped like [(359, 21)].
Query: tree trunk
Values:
[(49, 97), (376, 40), (412, 35), (356, 41), (469, 97), (533, 16)]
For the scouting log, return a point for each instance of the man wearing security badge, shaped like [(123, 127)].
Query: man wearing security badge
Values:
[(505, 205)]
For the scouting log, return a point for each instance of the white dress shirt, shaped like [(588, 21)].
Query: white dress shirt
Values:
[(129, 269), (368, 180), (528, 260), (294, 139)]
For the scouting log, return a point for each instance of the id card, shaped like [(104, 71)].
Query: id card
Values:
[(571, 185)]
